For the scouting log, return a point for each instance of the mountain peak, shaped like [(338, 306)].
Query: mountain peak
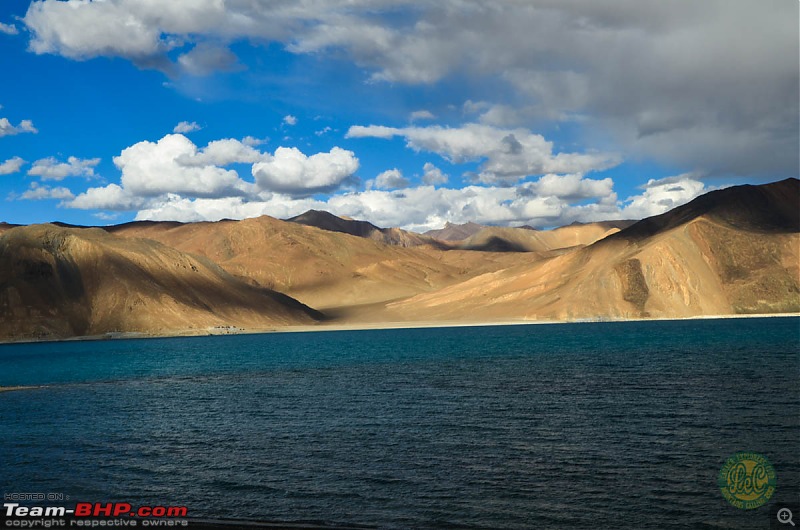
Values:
[(769, 207)]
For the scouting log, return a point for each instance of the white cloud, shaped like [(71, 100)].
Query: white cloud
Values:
[(7, 129), (553, 200), (223, 153), (38, 192), (185, 127), (373, 131), (425, 207), (175, 165), (421, 208), (51, 169), (421, 115), (324, 130), (111, 197), (432, 175), (177, 208), (573, 187), (290, 171), (290, 120), (8, 29), (12, 165), (389, 179), (662, 195), (508, 155)]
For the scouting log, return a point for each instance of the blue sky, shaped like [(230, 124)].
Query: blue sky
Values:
[(402, 113)]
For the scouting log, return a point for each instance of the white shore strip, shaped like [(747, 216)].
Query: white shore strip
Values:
[(358, 326)]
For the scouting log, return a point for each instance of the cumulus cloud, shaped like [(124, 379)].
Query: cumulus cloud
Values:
[(420, 208), (389, 179), (692, 94), (373, 131), (663, 195), (12, 165), (290, 171), (7, 129), (185, 127), (290, 120), (508, 155), (425, 207), (8, 29), (571, 187), (175, 167), (223, 153), (432, 175), (51, 169), (39, 192), (111, 197)]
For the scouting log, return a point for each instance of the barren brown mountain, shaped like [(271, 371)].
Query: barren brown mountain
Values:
[(732, 251), (499, 239), (58, 282), (328, 270), (6, 226), (390, 236), (455, 232)]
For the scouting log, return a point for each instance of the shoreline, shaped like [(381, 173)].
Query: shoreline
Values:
[(365, 326), (16, 388)]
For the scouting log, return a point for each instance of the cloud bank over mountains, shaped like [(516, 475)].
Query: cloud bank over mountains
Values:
[(175, 179)]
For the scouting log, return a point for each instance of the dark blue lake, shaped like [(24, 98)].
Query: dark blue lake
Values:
[(592, 425)]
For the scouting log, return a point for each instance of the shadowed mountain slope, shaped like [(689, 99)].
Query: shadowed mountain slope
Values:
[(500, 239), (730, 251), (773, 207), (389, 236), (60, 282), (322, 268)]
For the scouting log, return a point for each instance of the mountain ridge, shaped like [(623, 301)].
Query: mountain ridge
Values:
[(731, 251), (57, 282)]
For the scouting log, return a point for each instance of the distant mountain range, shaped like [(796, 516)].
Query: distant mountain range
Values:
[(390, 236), (455, 232), (732, 251)]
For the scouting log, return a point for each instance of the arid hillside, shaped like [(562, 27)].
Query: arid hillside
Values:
[(733, 251), (58, 282), (455, 232), (498, 239), (323, 268), (390, 236)]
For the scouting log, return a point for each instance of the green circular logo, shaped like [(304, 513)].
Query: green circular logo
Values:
[(747, 480)]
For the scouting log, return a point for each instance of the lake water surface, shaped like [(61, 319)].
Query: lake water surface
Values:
[(592, 425)]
